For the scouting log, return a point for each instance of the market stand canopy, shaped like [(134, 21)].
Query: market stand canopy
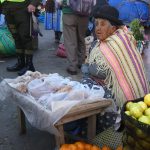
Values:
[(132, 9)]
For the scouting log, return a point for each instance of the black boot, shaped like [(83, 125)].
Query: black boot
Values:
[(28, 67), (19, 65)]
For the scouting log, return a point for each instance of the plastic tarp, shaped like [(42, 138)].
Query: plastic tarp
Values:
[(42, 106), (131, 9)]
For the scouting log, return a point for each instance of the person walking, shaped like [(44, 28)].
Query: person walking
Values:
[(74, 29), (54, 21), (19, 21)]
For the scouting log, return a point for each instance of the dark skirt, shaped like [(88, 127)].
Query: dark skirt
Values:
[(107, 119)]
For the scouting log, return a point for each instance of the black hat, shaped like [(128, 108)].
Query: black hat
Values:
[(107, 12)]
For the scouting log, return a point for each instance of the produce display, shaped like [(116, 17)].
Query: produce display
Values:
[(139, 110), (49, 96), (136, 117), (85, 146)]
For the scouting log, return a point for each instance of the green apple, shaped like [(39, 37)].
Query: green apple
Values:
[(147, 99), (137, 146), (129, 124), (133, 117), (148, 116), (140, 133), (128, 105), (130, 141), (126, 147), (147, 139), (144, 144), (143, 105), (147, 112), (136, 112), (127, 113), (144, 119), (135, 105)]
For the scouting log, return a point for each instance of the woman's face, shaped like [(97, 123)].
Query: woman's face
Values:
[(103, 29)]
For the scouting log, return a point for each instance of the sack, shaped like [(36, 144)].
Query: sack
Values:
[(82, 7), (61, 51), (7, 44)]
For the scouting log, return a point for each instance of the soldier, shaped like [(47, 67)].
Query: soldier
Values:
[(18, 18)]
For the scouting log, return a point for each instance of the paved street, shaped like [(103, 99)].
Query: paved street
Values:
[(46, 62)]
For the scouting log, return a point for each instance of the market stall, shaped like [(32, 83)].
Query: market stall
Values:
[(49, 101)]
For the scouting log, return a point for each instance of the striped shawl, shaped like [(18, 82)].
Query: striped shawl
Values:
[(120, 60)]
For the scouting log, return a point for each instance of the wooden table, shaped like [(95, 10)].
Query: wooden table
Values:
[(88, 111)]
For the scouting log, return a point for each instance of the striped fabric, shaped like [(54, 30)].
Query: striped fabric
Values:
[(123, 64)]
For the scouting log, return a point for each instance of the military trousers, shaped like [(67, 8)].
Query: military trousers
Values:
[(20, 25)]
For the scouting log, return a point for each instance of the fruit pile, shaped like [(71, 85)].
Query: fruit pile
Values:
[(140, 110), (136, 118), (85, 146), (137, 141)]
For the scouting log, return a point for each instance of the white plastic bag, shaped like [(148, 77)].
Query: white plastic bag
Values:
[(46, 100), (39, 87)]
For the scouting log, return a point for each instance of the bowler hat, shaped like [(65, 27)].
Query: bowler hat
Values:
[(107, 12)]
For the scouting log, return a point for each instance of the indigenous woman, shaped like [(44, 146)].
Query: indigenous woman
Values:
[(114, 61)]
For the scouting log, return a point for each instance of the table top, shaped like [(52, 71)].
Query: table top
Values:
[(85, 110), (89, 106)]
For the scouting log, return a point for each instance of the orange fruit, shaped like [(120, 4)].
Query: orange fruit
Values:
[(87, 146), (80, 145), (72, 147), (94, 147), (119, 148), (105, 147), (64, 147)]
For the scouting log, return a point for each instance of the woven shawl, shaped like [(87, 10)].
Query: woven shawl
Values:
[(119, 58)]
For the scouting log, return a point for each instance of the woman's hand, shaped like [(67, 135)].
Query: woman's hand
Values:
[(31, 8)]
